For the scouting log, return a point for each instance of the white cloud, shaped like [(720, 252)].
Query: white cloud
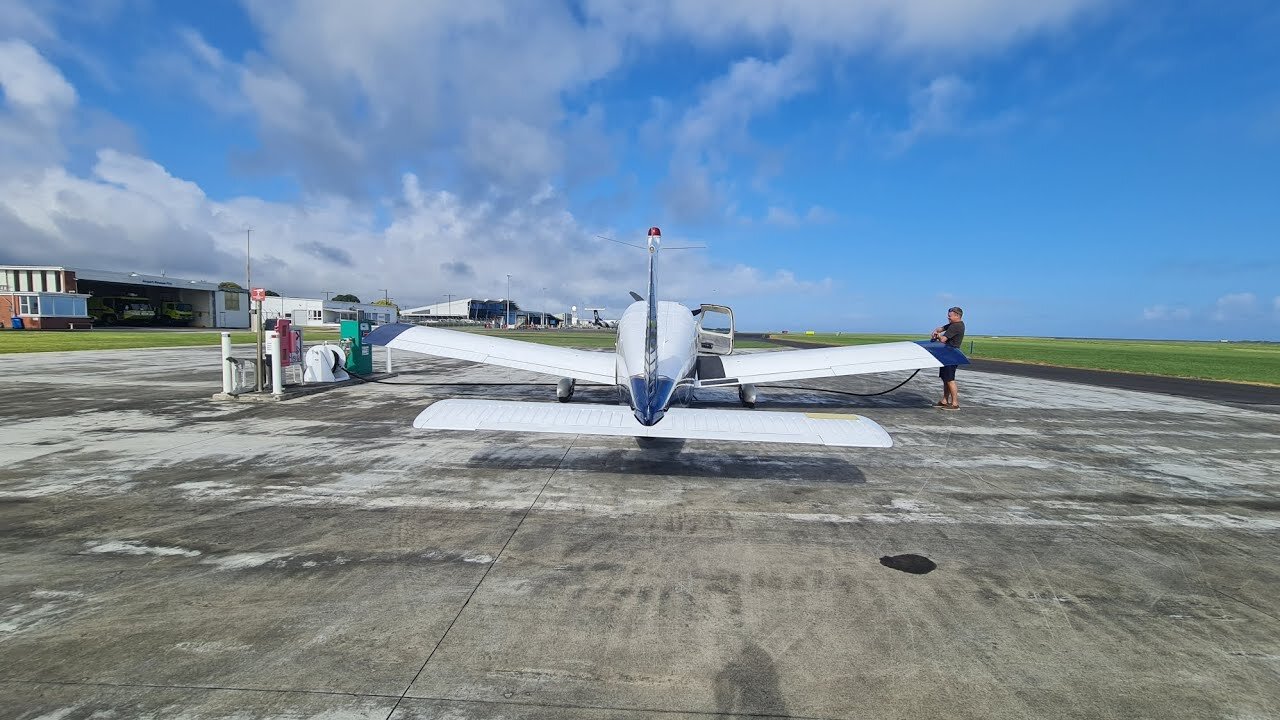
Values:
[(1164, 312), (784, 217), (131, 214), (1236, 306), (936, 109), (20, 21), (37, 103), (31, 85), (404, 83), (342, 91), (345, 96), (892, 26), (719, 120)]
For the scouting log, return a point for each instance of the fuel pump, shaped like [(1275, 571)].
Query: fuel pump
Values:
[(359, 353)]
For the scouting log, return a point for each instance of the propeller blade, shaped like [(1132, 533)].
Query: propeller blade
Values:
[(637, 296)]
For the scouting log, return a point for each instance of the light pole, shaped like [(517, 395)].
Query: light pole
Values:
[(248, 274), (255, 313), (506, 319), (544, 309), (448, 304)]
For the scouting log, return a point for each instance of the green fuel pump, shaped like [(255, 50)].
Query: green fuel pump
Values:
[(359, 352)]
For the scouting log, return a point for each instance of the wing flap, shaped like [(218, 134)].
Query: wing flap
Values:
[(586, 365), (837, 430), (783, 365)]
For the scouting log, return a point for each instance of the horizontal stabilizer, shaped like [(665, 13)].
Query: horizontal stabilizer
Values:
[(834, 429)]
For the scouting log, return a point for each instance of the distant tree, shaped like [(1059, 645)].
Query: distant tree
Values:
[(229, 286), (272, 293), (346, 297), (386, 303)]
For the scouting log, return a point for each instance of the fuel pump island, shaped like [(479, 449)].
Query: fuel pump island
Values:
[(322, 365)]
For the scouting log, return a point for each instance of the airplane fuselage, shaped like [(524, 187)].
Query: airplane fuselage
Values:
[(653, 378)]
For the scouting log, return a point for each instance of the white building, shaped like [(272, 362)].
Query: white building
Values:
[(459, 309), (314, 312)]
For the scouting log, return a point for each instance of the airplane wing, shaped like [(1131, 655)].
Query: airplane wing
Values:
[(597, 367), (765, 367), (833, 429)]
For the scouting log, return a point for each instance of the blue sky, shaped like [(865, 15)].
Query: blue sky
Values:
[(1070, 167)]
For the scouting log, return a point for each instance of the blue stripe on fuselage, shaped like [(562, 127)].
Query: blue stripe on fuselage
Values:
[(649, 407)]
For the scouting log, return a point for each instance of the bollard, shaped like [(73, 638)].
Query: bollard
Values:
[(228, 380), (277, 367), (388, 358)]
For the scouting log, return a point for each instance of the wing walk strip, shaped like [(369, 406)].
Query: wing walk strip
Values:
[(838, 430)]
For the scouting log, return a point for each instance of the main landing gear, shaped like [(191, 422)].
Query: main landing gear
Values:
[(564, 390)]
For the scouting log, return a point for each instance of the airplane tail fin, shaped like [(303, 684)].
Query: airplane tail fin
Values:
[(651, 324)]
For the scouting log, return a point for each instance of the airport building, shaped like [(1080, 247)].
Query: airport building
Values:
[(49, 297), (58, 298), (481, 311), (314, 312)]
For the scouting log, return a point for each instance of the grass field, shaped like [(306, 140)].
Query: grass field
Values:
[(12, 341), (1237, 362)]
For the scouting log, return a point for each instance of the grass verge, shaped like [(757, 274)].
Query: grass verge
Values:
[(15, 341), (1257, 363)]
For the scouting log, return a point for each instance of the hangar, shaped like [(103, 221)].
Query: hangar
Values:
[(56, 297), (481, 311)]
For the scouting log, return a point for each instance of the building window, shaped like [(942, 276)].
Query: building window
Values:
[(316, 315), (231, 301), (62, 306), (28, 305)]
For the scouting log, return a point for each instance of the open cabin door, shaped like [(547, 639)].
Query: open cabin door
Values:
[(715, 330)]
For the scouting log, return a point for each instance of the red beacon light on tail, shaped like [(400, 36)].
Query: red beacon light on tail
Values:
[(655, 232)]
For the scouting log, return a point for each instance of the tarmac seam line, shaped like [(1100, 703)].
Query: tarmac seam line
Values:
[(487, 570), (619, 708), (196, 687)]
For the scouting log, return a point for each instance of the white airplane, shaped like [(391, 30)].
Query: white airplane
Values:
[(664, 352)]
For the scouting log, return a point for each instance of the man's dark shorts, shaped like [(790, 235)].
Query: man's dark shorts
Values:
[(947, 372)]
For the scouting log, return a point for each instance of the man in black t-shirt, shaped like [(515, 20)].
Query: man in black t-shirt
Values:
[(952, 334)]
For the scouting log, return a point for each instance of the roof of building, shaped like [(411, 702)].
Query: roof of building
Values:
[(133, 278)]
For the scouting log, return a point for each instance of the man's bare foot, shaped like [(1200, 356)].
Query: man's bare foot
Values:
[(950, 407)]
